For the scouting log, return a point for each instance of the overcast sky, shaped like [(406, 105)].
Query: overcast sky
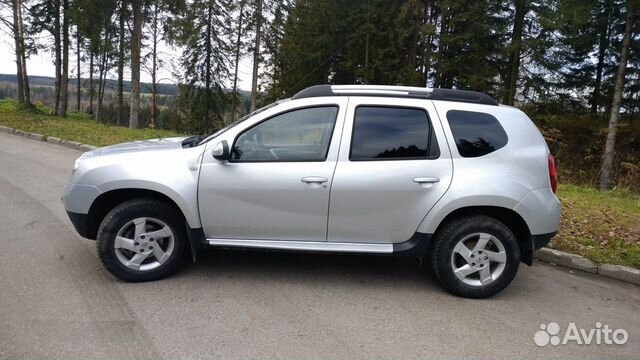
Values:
[(42, 64)]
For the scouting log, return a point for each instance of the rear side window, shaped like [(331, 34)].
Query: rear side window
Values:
[(392, 133), (476, 134)]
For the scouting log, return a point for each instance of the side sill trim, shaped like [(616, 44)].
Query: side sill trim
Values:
[(304, 245)]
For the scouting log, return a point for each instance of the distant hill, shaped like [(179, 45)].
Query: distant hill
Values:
[(111, 85)]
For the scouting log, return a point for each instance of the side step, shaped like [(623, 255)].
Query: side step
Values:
[(304, 246)]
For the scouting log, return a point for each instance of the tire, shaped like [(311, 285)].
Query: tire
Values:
[(127, 233), (466, 268)]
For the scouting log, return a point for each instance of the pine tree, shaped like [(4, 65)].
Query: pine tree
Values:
[(275, 70), (472, 35), (204, 31), (515, 49)]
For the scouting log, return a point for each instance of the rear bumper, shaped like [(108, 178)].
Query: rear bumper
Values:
[(538, 241), (540, 209), (80, 223)]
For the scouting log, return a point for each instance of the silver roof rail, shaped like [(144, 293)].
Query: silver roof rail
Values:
[(396, 91)]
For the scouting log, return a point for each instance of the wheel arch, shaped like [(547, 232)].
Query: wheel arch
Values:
[(108, 200), (508, 217)]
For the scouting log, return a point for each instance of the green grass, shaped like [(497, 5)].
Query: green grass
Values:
[(78, 127), (602, 226)]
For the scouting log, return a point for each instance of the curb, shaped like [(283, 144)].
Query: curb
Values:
[(620, 272), (572, 261), (7, 130), (50, 139)]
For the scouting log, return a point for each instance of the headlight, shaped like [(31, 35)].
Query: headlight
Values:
[(76, 165)]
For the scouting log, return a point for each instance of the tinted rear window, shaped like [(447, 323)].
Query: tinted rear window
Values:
[(476, 134), (389, 133)]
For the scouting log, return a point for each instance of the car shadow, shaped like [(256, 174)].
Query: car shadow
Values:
[(272, 266)]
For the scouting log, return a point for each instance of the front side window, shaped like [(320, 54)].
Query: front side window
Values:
[(476, 134), (297, 135), (392, 133)]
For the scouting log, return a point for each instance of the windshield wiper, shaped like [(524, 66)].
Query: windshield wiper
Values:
[(193, 141)]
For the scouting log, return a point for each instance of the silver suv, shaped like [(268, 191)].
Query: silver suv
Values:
[(447, 175)]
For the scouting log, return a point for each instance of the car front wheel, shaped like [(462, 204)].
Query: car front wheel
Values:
[(476, 256), (142, 240)]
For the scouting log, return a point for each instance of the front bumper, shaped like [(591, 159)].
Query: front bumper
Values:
[(80, 223)]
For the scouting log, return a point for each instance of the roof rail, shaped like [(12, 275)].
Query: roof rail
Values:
[(397, 91)]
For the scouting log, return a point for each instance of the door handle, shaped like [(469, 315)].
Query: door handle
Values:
[(426, 180), (314, 179)]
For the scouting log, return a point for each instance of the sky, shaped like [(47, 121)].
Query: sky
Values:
[(42, 64)]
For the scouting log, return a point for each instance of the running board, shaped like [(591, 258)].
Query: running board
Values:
[(304, 245)]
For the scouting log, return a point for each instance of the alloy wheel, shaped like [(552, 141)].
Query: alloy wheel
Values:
[(478, 259), (144, 244)]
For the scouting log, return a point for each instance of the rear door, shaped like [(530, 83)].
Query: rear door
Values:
[(394, 165)]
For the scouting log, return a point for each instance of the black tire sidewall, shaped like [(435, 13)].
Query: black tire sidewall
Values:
[(447, 239), (128, 211)]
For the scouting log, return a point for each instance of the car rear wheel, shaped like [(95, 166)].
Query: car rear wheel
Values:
[(475, 257), (142, 240)]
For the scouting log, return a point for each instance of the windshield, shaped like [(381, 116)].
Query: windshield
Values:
[(224, 129)]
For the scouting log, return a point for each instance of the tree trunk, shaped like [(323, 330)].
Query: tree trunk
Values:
[(154, 67), (440, 76), (101, 68), (413, 17), (21, 56), (603, 45), (511, 80), (105, 60), (609, 149), (366, 47), (207, 81), (57, 54), (256, 56), (429, 12), (79, 63), (97, 115), (16, 37), (91, 89), (235, 75), (121, 62), (64, 81), (136, 43)]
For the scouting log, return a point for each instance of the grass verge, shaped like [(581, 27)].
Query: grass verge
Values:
[(78, 127), (602, 226)]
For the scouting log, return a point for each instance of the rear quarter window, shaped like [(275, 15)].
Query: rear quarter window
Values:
[(476, 133)]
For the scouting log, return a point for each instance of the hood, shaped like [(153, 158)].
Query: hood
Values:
[(138, 146)]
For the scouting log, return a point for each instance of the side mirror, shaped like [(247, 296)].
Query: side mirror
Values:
[(221, 151)]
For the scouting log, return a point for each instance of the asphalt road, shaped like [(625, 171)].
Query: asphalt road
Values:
[(56, 300)]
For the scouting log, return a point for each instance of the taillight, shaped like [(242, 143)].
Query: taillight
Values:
[(553, 176)]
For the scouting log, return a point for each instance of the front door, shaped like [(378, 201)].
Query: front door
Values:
[(276, 185), (394, 165)]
